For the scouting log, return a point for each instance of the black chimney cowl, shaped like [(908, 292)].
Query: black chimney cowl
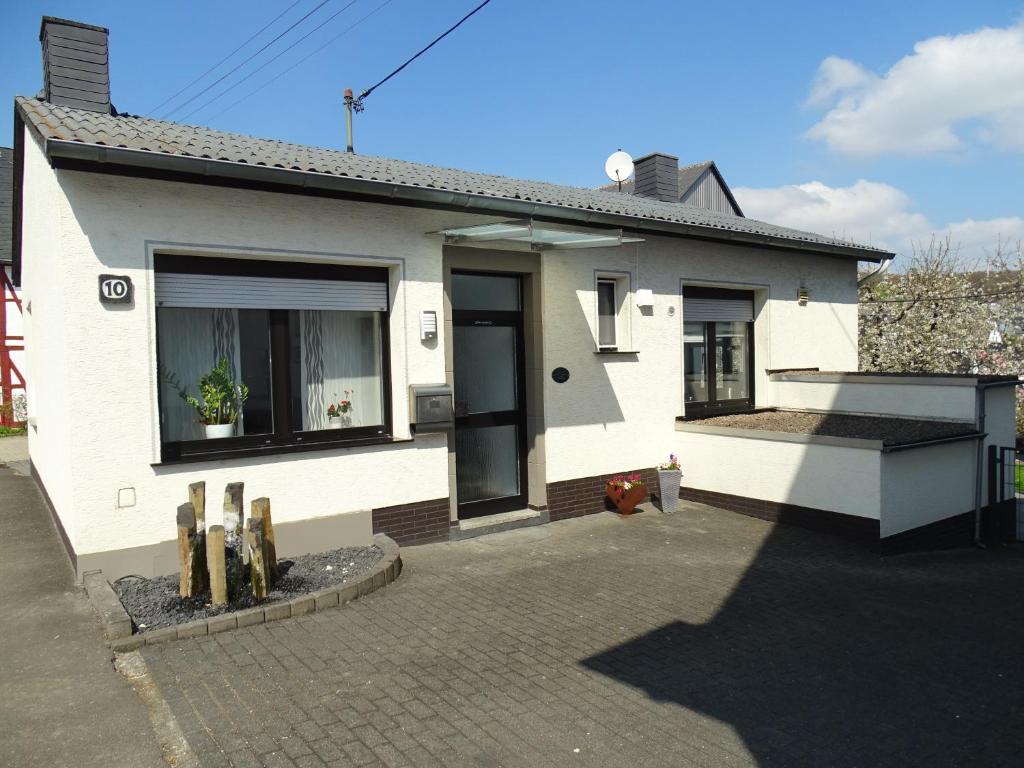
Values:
[(76, 64), (657, 177)]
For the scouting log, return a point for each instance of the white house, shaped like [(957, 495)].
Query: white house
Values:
[(505, 346)]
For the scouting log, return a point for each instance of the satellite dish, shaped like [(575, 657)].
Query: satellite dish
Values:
[(619, 166)]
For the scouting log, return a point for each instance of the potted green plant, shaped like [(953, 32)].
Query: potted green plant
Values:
[(220, 400), (670, 476), (626, 492), (338, 413)]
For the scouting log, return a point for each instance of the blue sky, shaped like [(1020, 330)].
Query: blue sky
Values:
[(547, 90)]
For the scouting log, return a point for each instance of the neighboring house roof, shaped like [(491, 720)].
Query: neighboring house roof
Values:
[(690, 177), (6, 202), (75, 137)]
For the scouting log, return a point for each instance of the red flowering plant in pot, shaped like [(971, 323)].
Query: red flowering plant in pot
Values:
[(626, 492)]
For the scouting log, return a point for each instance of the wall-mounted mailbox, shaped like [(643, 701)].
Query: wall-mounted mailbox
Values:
[(431, 408)]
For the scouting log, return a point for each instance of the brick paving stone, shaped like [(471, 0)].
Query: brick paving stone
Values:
[(702, 638)]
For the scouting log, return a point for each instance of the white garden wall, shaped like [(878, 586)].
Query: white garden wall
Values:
[(803, 470), (914, 397), (925, 485)]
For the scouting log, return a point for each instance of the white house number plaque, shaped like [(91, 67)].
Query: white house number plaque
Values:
[(115, 289)]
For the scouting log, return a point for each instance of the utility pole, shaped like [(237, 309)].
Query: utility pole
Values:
[(351, 105)]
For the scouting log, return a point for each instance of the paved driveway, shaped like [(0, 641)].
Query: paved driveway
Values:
[(703, 638)]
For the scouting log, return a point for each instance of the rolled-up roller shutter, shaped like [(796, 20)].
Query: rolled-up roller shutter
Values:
[(239, 292), (708, 306)]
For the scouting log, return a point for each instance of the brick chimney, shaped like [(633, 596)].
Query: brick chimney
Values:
[(76, 69), (657, 176)]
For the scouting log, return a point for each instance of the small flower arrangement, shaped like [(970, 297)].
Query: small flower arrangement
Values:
[(671, 464), (626, 482), (340, 408)]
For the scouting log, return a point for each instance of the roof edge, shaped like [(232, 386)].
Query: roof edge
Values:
[(132, 161), (121, 157)]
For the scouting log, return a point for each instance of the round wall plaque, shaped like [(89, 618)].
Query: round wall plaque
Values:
[(560, 375)]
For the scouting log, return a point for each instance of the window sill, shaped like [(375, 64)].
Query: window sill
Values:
[(616, 351), (277, 450)]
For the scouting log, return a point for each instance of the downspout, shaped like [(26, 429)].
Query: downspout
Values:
[(979, 410), (876, 274)]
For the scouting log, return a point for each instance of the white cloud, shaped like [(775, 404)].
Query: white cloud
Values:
[(949, 90), (872, 213), (835, 76)]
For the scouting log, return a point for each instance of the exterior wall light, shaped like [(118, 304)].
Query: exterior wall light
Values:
[(644, 297)]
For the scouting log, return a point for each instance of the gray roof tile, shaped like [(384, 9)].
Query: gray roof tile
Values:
[(132, 132)]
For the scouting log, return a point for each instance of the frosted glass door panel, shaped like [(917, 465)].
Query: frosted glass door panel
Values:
[(485, 369), (487, 463), (491, 293)]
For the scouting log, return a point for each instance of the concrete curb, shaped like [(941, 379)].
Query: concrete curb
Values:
[(117, 624)]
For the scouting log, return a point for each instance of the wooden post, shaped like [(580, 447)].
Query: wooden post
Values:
[(258, 576), (215, 562), (186, 551), (200, 575), (261, 511), (233, 536)]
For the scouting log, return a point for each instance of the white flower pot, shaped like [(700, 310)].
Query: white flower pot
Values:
[(334, 422), (669, 481), (215, 431)]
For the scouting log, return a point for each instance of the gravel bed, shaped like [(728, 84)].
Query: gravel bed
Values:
[(154, 603), (889, 430)]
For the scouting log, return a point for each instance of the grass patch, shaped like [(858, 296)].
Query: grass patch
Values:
[(1019, 470), (12, 431)]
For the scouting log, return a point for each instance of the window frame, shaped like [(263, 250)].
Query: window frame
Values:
[(614, 283), (285, 438), (622, 282), (713, 406)]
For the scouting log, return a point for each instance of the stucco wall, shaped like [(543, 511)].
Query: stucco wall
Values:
[(617, 412), (909, 398), (830, 477), (53, 397), (928, 484), (110, 438)]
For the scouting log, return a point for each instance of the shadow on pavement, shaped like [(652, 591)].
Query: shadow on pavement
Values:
[(813, 661)]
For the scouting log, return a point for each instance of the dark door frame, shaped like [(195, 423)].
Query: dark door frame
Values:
[(517, 417)]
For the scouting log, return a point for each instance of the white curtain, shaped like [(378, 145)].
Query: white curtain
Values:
[(191, 342), (340, 361)]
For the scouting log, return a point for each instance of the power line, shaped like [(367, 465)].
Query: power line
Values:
[(249, 40), (1011, 292), (300, 61), (409, 61), (271, 60), (253, 56)]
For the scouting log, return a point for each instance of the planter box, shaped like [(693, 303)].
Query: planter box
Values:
[(626, 499), (668, 488)]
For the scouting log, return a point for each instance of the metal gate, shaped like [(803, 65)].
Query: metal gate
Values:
[(1005, 493)]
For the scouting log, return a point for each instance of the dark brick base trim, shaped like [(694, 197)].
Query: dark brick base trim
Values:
[(861, 529), (586, 495), (997, 525), (416, 523), (72, 556)]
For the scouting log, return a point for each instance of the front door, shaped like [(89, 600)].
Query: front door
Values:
[(490, 424)]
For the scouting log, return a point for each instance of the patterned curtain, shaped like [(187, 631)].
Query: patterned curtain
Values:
[(340, 353)]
